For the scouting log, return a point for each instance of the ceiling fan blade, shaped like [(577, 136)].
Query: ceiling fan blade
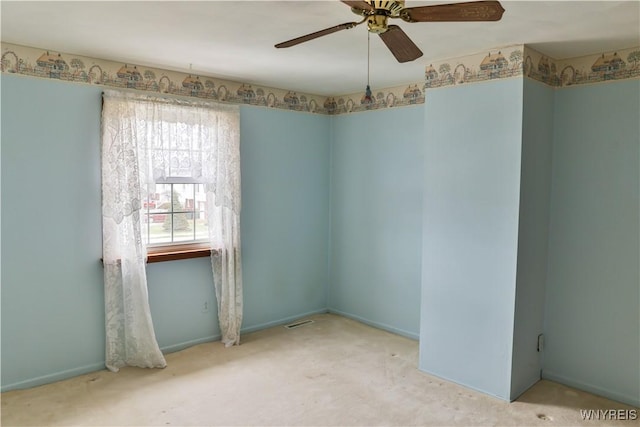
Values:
[(317, 34), (400, 44), (469, 11), (358, 4)]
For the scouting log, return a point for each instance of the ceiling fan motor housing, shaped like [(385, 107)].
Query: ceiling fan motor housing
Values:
[(377, 18), (393, 7)]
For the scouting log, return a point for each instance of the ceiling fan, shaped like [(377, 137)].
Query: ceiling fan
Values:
[(377, 12)]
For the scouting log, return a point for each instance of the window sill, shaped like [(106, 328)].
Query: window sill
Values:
[(177, 252)]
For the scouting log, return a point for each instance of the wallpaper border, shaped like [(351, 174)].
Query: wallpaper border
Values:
[(498, 63), (522, 60), (48, 64), (621, 64)]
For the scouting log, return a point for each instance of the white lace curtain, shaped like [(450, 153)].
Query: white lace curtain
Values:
[(146, 139)]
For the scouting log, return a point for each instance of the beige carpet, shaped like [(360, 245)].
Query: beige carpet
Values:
[(334, 371)]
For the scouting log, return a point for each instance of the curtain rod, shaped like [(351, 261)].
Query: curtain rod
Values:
[(169, 97)]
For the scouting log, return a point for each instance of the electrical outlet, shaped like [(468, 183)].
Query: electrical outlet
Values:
[(540, 343), (205, 306)]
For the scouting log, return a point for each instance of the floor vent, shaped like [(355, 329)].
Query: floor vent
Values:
[(298, 324)]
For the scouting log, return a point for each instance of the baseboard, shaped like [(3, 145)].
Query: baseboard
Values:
[(50, 378), (243, 330), (186, 344), (378, 325), (517, 394), (495, 396), (600, 391), (281, 321)]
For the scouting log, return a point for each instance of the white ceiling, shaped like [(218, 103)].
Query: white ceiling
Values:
[(234, 39)]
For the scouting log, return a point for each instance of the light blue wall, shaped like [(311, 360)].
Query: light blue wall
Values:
[(52, 291), (285, 214), (533, 232), (178, 291), (470, 233), (376, 205), (366, 173), (592, 320)]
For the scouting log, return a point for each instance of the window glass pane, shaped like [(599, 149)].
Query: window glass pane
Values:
[(180, 196), (200, 206), (182, 220), (163, 204), (159, 224), (176, 213), (160, 228), (202, 227), (183, 227)]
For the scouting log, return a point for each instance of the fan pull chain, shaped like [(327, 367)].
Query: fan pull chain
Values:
[(368, 56), (367, 93)]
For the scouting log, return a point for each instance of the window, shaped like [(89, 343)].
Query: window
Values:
[(185, 156), (175, 212), (170, 176)]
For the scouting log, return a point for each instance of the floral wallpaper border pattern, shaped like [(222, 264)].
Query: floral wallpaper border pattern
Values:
[(399, 96), (521, 60), (80, 69), (506, 62), (605, 66)]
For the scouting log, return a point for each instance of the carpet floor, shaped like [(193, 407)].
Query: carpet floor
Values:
[(332, 372)]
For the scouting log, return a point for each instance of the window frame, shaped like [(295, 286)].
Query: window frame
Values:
[(171, 251)]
